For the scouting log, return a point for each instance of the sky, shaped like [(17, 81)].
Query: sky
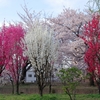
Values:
[(10, 8)]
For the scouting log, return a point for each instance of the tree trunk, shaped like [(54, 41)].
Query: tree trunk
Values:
[(91, 81), (50, 88), (98, 84), (99, 88), (50, 84), (40, 90), (12, 83), (12, 86), (69, 94), (17, 87)]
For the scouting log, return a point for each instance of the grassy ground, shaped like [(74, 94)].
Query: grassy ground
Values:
[(48, 97)]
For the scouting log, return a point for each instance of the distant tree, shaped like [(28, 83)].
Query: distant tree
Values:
[(94, 6), (6, 78), (91, 37), (70, 79), (14, 51)]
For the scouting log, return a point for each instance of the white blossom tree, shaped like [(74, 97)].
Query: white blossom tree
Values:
[(42, 52), (41, 47)]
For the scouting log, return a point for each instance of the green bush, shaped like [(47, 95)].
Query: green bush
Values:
[(70, 79)]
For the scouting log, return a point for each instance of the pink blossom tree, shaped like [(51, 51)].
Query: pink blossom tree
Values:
[(68, 26)]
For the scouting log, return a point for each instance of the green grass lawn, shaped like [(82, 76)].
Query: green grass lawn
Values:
[(48, 97)]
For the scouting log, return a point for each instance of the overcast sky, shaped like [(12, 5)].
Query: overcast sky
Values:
[(9, 8)]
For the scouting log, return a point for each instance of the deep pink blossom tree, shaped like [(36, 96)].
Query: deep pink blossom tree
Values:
[(2, 54), (91, 37), (13, 45)]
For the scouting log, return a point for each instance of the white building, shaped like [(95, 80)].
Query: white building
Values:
[(30, 76)]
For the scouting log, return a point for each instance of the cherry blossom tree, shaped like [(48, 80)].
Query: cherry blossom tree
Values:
[(68, 27)]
